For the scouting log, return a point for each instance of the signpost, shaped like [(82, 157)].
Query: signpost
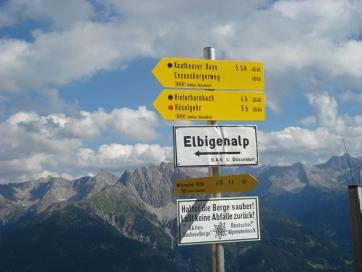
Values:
[(220, 184), (215, 145), (216, 105), (209, 74), (217, 220)]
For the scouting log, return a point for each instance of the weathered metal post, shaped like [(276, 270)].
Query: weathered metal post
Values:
[(217, 250), (355, 203)]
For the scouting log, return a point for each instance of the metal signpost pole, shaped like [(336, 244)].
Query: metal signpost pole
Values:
[(217, 250)]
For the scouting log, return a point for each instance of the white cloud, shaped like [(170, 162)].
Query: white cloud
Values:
[(32, 145), (351, 97), (326, 112), (326, 18), (27, 133), (27, 165), (297, 40), (61, 13), (117, 156), (306, 46), (293, 144), (10, 60), (135, 124), (309, 121), (87, 125), (78, 53), (347, 59), (299, 141)]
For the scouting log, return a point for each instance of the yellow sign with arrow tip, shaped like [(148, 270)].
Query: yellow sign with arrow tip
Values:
[(207, 105), (218, 184), (209, 74)]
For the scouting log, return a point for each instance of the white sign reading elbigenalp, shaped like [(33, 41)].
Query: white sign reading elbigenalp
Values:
[(217, 220), (215, 145)]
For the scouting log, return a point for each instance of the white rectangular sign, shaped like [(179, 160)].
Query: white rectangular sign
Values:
[(215, 145), (217, 220)]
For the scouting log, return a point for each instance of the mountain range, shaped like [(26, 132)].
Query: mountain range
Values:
[(128, 223)]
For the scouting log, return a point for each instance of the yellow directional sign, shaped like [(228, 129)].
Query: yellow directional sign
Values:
[(209, 74), (210, 105), (221, 184)]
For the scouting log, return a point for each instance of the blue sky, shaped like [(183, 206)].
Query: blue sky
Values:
[(76, 88)]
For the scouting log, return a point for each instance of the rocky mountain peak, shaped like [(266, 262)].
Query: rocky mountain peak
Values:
[(150, 183), (106, 177), (342, 162)]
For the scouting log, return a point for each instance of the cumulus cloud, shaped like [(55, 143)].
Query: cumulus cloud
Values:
[(351, 97), (61, 13), (323, 139), (317, 39), (323, 17), (304, 45), (300, 141), (31, 144), (135, 124), (31, 164), (28, 132), (64, 56), (326, 112), (117, 156)]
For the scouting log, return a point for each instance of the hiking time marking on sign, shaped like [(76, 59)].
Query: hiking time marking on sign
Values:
[(217, 220), (209, 74), (216, 184), (207, 105), (215, 145)]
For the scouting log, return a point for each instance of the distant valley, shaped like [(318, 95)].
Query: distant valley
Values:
[(127, 223)]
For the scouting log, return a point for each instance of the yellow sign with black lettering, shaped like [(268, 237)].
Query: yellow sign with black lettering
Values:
[(220, 184), (210, 105), (209, 74)]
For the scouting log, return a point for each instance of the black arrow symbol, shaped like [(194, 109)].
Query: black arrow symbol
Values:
[(198, 153)]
